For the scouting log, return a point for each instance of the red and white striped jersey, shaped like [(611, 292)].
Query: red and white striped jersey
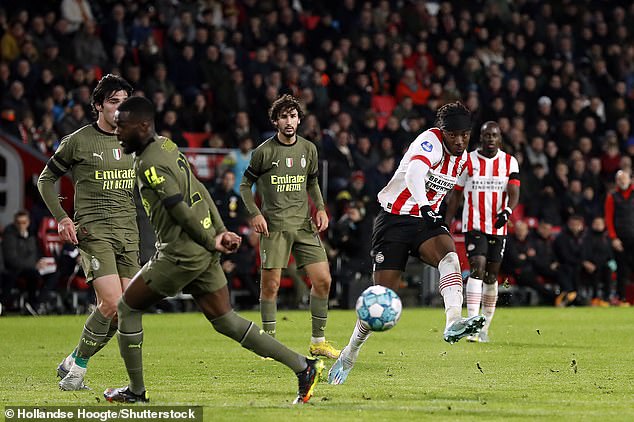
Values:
[(444, 169), (484, 183)]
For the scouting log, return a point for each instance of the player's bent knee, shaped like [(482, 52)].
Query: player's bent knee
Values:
[(108, 308), (450, 263), (130, 320)]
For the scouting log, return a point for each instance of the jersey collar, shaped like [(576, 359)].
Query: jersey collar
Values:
[(100, 130), (277, 139)]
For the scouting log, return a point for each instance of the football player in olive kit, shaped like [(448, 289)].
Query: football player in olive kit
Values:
[(190, 238), (104, 225), (284, 168)]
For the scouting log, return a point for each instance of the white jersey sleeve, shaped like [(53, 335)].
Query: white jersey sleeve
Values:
[(424, 176)]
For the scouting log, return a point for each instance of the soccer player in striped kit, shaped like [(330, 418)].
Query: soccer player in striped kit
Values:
[(491, 190), (409, 224)]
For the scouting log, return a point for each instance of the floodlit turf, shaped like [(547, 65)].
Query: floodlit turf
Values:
[(543, 363)]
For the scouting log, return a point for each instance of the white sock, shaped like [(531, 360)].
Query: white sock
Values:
[(68, 362), (489, 300), (450, 287), (315, 340), (76, 369), (359, 336), (474, 296)]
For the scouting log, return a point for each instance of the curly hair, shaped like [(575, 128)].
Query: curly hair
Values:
[(106, 88), (285, 103), (451, 113)]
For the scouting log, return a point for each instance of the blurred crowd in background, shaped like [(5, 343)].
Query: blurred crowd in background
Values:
[(558, 77)]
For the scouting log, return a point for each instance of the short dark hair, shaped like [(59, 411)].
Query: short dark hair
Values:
[(138, 107), (106, 87), (450, 112), (284, 103)]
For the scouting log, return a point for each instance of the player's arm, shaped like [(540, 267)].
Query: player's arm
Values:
[(163, 181), (251, 175), (312, 186), (415, 174), (513, 190), (57, 166), (216, 220), (454, 200)]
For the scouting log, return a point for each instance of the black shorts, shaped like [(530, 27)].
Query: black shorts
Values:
[(396, 237), (488, 245)]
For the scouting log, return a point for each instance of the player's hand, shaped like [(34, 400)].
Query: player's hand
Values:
[(503, 218), (321, 220), (432, 218), (259, 225), (67, 231), (228, 242)]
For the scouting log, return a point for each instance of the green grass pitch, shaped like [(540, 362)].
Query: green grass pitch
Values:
[(543, 363)]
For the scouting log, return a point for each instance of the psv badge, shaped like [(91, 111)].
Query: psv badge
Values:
[(116, 152)]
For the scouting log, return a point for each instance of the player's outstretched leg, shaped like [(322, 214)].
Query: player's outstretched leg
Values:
[(339, 371), (251, 337), (308, 379), (463, 327)]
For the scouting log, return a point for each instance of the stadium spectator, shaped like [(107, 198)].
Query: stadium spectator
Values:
[(88, 48), (409, 224), (197, 246), (228, 202), (107, 237), (597, 264), (290, 168), (568, 250), (74, 120), (490, 188), (523, 260), (76, 13), (619, 219), (540, 82), (22, 263)]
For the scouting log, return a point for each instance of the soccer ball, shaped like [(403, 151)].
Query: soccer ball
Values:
[(379, 308)]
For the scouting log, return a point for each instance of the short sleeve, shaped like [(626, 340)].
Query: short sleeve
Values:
[(514, 167), (427, 148)]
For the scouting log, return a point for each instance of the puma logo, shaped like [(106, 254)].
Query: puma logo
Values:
[(94, 154), (276, 163), (135, 346)]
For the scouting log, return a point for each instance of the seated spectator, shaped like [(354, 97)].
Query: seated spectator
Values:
[(364, 155), (597, 264), (73, 121), (411, 87), (229, 203), (22, 262), (568, 249), (340, 162), (89, 50), (524, 261)]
